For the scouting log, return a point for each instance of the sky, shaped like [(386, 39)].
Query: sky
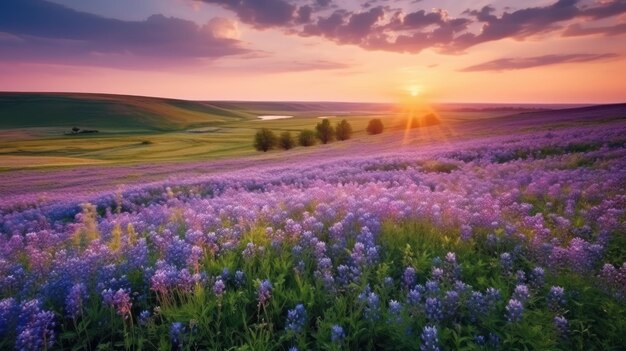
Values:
[(506, 51)]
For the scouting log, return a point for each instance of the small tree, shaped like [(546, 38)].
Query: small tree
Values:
[(306, 138), (343, 131), (264, 140), (285, 141), (375, 126), (325, 132)]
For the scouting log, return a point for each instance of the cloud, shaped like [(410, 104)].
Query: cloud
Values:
[(53, 33), (385, 25), (505, 64)]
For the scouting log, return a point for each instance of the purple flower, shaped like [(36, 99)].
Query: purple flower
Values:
[(433, 309), (537, 277), (561, 324), (75, 300), (514, 310), (521, 293), (414, 297), (219, 287), (120, 300), (35, 329), (409, 277), (264, 292), (337, 334), (556, 297), (430, 340), (451, 303), (296, 319), (477, 306), (177, 333), (506, 262), (240, 278), (144, 317)]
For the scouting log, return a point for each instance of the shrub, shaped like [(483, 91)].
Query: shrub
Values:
[(343, 131), (375, 126), (325, 132), (285, 141), (264, 140), (306, 138)]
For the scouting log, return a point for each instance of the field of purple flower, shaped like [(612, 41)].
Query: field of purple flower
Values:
[(505, 242)]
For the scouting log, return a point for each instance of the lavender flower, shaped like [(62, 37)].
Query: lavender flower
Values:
[(144, 318), (514, 310), (556, 297), (537, 277), (75, 299), (430, 340), (506, 262), (409, 277), (562, 325), (296, 319), (219, 287), (177, 333), (433, 309), (521, 293), (337, 334), (264, 292)]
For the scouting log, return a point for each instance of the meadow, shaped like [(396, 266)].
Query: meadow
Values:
[(479, 234), (135, 130)]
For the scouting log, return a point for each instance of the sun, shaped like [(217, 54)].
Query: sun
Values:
[(415, 90)]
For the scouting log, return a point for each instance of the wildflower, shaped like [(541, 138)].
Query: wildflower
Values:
[(561, 324), (240, 278), (120, 300), (409, 277), (451, 303), (556, 297), (432, 287), (521, 293), (433, 309), (506, 262), (177, 332), (477, 305), (296, 319), (144, 317), (537, 277), (264, 292), (74, 300), (514, 310), (219, 287), (430, 341), (336, 333), (414, 297)]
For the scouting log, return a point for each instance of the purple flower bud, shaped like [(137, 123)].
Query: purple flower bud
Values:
[(296, 319), (219, 287), (264, 292)]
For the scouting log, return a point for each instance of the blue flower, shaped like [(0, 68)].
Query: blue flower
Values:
[(514, 311), (296, 319), (336, 333), (430, 341)]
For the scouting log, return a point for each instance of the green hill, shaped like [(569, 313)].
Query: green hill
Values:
[(109, 112)]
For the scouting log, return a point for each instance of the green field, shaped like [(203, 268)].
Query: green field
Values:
[(132, 129)]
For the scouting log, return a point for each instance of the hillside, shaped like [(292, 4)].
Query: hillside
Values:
[(103, 111)]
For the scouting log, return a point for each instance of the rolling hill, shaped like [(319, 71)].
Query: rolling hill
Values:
[(103, 111)]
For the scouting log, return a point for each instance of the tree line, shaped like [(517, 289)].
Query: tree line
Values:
[(265, 139)]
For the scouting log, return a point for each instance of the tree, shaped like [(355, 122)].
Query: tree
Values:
[(325, 132), (264, 140), (375, 126), (306, 138), (343, 131), (285, 141)]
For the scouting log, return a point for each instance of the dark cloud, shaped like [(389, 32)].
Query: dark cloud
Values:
[(262, 13), (576, 30), (44, 31), (382, 25), (505, 64)]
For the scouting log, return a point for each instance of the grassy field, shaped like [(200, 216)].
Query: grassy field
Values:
[(34, 127)]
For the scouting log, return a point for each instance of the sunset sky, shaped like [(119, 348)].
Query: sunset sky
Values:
[(331, 50)]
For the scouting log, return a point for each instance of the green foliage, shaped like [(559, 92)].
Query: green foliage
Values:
[(265, 140), (324, 131), (306, 138), (285, 141), (375, 126), (343, 130)]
